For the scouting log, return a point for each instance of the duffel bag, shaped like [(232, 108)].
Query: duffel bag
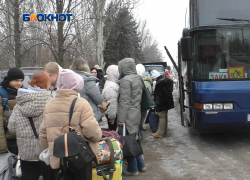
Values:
[(105, 151)]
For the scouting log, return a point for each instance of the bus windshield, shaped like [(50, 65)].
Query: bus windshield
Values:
[(207, 12), (221, 54), (157, 68)]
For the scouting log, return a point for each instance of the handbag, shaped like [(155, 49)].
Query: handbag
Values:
[(131, 148), (111, 133), (38, 148), (147, 101), (45, 156), (74, 150), (18, 172)]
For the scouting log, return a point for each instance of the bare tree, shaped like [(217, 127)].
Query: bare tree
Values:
[(99, 16), (149, 45)]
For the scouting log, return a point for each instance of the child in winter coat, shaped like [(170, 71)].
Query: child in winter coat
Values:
[(110, 95), (30, 103)]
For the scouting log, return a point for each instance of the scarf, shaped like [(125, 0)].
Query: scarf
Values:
[(12, 92)]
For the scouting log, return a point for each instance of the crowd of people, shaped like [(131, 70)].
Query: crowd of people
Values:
[(46, 103)]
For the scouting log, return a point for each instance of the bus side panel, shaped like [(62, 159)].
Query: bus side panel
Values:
[(223, 91), (236, 120)]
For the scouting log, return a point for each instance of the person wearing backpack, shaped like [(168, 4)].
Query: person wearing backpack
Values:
[(147, 79), (56, 116), (9, 86), (30, 106)]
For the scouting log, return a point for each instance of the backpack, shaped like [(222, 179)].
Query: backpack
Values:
[(4, 95)]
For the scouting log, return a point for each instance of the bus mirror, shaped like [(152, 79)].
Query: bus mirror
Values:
[(186, 48)]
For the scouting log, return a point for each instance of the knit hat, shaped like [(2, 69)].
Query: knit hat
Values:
[(68, 79), (155, 74), (14, 73)]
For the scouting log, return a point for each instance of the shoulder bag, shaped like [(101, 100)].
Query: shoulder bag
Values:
[(39, 148), (147, 101), (131, 147)]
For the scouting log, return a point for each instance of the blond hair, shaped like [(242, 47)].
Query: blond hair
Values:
[(80, 65), (51, 68)]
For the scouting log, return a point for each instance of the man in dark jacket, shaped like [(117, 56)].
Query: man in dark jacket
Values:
[(163, 102)]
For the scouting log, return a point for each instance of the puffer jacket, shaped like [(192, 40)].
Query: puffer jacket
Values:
[(163, 88), (3, 124), (28, 105), (111, 91), (129, 104), (148, 81), (56, 116), (4, 132), (91, 93)]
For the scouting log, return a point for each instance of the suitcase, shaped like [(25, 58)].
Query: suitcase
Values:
[(98, 176)]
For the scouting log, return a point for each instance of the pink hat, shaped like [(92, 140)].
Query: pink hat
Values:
[(68, 79)]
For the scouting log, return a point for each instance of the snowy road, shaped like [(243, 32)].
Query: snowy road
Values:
[(183, 155)]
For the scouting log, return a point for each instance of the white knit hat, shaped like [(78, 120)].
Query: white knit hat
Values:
[(155, 74)]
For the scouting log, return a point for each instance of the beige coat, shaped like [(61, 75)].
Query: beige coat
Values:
[(56, 116)]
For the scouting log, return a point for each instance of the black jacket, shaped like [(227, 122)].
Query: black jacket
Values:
[(163, 94), (101, 78)]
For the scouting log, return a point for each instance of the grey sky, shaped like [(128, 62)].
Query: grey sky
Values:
[(165, 20)]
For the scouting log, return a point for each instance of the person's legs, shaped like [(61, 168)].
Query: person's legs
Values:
[(166, 124), (132, 169), (111, 126), (132, 165), (162, 124), (140, 163), (47, 172), (143, 119), (30, 170)]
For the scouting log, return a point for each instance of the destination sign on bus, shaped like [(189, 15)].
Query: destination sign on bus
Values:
[(220, 75)]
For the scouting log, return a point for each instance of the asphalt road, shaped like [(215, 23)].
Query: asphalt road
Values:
[(183, 155)]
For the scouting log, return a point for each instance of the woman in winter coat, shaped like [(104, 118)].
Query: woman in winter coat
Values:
[(129, 108), (30, 103), (11, 83), (56, 116), (53, 69), (147, 79), (98, 73), (90, 91), (110, 95)]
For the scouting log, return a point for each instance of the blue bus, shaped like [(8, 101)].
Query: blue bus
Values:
[(214, 66)]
